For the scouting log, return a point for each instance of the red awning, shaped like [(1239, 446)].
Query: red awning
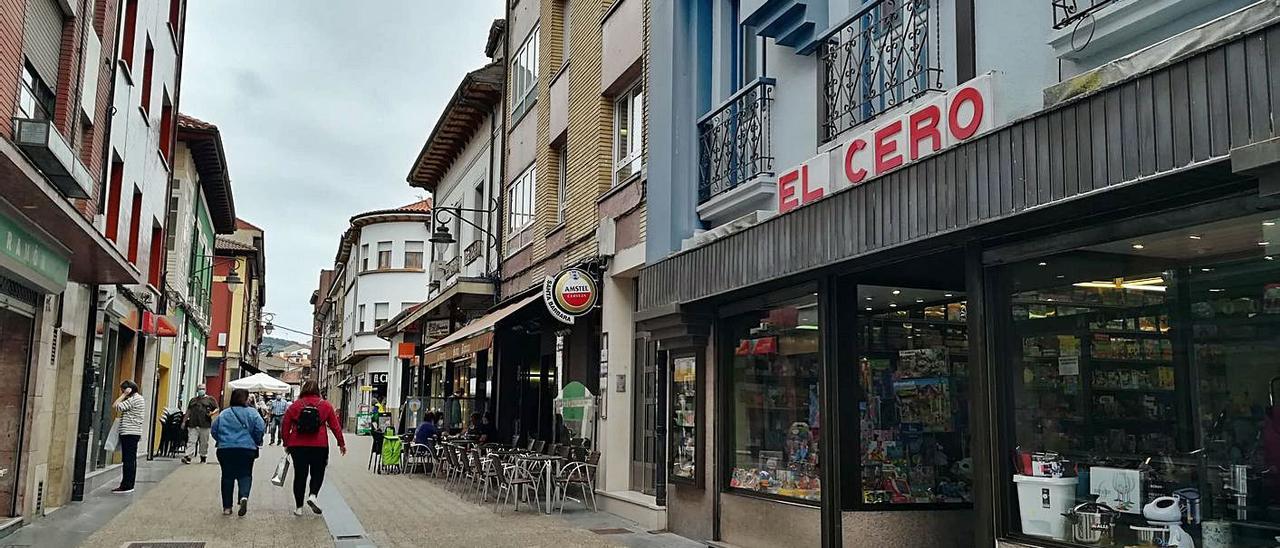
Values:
[(157, 326)]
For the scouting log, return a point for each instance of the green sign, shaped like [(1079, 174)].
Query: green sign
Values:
[(32, 257)]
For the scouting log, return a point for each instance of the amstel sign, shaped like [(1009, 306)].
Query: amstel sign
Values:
[(570, 294)]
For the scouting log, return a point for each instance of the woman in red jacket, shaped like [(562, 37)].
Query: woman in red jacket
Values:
[(305, 439)]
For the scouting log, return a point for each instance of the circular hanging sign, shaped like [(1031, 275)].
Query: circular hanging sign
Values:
[(570, 294)]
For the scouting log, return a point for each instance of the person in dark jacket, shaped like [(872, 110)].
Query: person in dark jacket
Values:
[(238, 431), (200, 412), (306, 441), (427, 431)]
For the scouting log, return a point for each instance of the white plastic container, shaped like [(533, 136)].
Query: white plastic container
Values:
[(1042, 503)]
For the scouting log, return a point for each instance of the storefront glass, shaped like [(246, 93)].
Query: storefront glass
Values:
[(1143, 377), (913, 404), (775, 430)]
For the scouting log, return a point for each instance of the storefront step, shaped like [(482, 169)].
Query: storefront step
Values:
[(634, 506)]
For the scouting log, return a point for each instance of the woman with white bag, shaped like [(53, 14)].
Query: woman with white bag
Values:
[(132, 408)]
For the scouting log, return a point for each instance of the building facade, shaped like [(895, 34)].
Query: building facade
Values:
[(380, 270), (239, 294), (897, 311)]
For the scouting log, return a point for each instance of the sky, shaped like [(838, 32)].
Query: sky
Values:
[(323, 105)]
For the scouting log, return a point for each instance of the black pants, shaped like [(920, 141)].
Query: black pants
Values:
[(308, 461), (237, 467), (129, 457)]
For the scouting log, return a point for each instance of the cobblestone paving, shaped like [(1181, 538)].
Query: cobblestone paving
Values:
[(394, 510)]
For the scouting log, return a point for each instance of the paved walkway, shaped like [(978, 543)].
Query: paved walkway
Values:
[(361, 509)]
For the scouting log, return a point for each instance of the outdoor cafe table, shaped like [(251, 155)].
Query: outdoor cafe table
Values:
[(551, 461)]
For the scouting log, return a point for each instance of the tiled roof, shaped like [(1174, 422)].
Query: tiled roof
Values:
[(226, 243), (420, 205), (241, 223), (186, 121)]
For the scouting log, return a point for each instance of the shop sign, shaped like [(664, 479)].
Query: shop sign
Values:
[(406, 350), (947, 120), (570, 294), (20, 249), (378, 378), (436, 329)]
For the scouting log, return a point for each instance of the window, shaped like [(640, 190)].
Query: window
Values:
[(364, 257), (774, 441), (166, 129), (155, 256), (113, 198), (148, 66), (562, 182), (175, 15), (413, 254), (628, 135), (35, 100), (360, 319), (524, 76), (480, 207), (384, 255), (135, 222), (130, 30), (172, 220), (405, 305), (380, 311), (520, 201), (913, 364), (1148, 366)]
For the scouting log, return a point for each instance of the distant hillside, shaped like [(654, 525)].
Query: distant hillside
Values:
[(271, 345)]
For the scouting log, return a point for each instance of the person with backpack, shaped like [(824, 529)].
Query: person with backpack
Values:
[(306, 441), (239, 431)]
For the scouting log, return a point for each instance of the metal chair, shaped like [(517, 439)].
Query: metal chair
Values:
[(581, 474), (514, 476)]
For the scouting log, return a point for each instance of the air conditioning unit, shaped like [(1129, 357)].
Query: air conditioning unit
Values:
[(42, 143)]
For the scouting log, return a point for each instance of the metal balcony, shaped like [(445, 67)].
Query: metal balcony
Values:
[(734, 140), (1068, 12), (882, 56)]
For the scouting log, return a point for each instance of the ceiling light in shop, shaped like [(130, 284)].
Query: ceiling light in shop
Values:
[(1269, 258), (1044, 264), (1194, 236), (1141, 284), (1206, 269), (1061, 276), (868, 298), (1050, 299), (1264, 243), (893, 305), (1138, 246), (1268, 223), (868, 309), (948, 295), (919, 300), (1216, 290), (896, 292)]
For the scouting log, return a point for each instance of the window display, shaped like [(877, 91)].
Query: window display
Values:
[(913, 405), (684, 420), (775, 430), (1143, 377)]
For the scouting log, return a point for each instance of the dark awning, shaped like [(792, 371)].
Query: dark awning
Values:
[(475, 336)]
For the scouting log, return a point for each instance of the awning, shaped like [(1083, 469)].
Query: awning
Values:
[(472, 293), (475, 336)]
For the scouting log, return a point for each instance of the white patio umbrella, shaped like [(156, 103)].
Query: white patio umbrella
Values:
[(261, 382)]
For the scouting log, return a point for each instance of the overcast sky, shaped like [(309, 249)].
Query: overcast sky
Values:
[(323, 106)]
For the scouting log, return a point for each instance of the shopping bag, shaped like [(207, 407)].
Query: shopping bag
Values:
[(282, 472), (113, 437)]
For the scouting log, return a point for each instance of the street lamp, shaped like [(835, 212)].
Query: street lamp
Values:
[(442, 215)]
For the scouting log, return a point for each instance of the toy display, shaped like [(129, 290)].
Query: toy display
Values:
[(684, 405)]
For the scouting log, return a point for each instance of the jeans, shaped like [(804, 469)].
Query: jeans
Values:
[(237, 467), (197, 438), (308, 461), (129, 458), (274, 425)]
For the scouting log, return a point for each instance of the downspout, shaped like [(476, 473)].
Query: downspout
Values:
[(502, 141), (85, 419)]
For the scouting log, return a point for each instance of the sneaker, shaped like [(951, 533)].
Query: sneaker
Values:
[(203, 460), (311, 501), (186, 460), (123, 491), (297, 511), (244, 506), (226, 511)]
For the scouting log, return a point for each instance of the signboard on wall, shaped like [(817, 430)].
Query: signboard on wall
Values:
[(962, 114), (570, 294)]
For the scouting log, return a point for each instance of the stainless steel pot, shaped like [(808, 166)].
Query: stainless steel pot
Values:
[(1091, 522)]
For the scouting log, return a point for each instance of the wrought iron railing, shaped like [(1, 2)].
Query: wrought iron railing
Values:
[(734, 140), (1067, 12), (886, 54)]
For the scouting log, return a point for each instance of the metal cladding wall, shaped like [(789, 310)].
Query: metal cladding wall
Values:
[(1189, 113)]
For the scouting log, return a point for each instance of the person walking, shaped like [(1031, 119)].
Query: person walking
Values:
[(132, 408), (278, 407), (239, 431), (200, 412), (306, 441)]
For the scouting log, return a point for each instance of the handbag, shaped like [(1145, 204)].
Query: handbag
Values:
[(113, 437), (282, 472)]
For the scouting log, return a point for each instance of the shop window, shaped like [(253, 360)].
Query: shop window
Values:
[(685, 408), (1143, 378), (913, 398), (774, 431)]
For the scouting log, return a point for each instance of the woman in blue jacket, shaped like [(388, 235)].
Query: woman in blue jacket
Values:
[(238, 430)]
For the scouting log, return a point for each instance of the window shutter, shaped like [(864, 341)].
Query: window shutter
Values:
[(42, 38)]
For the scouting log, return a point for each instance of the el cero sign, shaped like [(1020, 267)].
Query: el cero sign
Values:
[(940, 123)]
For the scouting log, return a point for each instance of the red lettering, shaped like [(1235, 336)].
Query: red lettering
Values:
[(886, 150), (807, 195), (965, 95), (924, 125), (787, 191), (854, 176)]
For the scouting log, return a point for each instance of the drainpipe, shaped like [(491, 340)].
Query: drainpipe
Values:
[(85, 420)]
